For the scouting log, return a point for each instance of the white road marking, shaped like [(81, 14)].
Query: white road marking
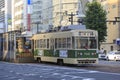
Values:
[(20, 79), (55, 74), (11, 71), (63, 79), (89, 79), (41, 76), (30, 74)]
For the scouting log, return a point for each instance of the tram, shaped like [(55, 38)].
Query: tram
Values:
[(66, 47)]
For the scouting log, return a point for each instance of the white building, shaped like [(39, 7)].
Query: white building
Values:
[(5, 15), (41, 14), (62, 9), (52, 13), (21, 13)]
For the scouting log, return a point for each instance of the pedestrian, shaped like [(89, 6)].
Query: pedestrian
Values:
[(102, 50)]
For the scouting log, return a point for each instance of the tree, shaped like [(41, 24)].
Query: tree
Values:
[(96, 19)]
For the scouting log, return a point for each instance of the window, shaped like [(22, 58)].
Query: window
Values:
[(78, 43), (63, 43), (37, 44), (92, 43), (113, 6), (42, 43), (111, 47), (68, 42), (47, 43), (51, 43), (85, 43)]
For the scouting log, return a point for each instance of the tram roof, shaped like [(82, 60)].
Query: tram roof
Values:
[(70, 28)]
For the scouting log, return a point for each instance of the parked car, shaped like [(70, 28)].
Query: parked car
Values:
[(113, 55), (102, 56)]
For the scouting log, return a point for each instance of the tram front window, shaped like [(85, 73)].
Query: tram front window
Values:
[(92, 43), (86, 43)]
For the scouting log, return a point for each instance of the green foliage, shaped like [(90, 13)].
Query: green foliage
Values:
[(36, 51), (96, 19)]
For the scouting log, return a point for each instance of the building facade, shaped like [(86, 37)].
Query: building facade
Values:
[(21, 15), (5, 15), (53, 13), (5, 22), (63, 9), (113, 28), (41, 14)]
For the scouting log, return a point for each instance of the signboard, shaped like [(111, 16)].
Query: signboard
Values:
[(40, 53), (86, 33), (63, 53), (118, 42)]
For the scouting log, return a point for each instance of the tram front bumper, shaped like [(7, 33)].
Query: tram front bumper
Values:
[(87, 61)]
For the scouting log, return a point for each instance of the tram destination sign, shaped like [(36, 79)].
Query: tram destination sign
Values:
[(86, 33)]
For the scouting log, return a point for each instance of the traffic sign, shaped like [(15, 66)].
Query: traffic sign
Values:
[(118, 41)]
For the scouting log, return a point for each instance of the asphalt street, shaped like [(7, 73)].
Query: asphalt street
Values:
[(15, 71)]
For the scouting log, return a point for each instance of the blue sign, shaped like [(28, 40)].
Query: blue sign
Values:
[(118, 42), (29, 2)]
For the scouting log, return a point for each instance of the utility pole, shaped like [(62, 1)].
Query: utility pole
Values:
[(71, 17), (60, 6)]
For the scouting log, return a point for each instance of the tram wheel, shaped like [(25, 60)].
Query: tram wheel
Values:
[(60, 62), (39, 60)]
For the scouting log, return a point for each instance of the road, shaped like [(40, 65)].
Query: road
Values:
[(106, 66), (109, 63), (15, 71)]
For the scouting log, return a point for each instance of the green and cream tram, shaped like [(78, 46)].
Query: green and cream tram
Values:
[(69, 47)]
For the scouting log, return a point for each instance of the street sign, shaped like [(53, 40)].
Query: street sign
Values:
[(118, 41)]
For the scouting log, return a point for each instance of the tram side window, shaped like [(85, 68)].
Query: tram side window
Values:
[(47, 43), (52, 43), (78, 45), (37, 44), (56, 43), (68, 42), (42, 43), (59, 43), (73, 42), (63, 43)]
